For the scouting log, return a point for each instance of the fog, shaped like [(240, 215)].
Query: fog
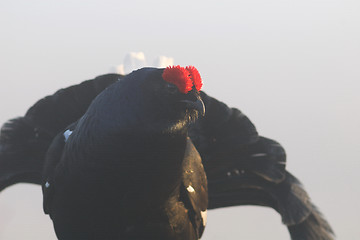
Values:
[(293, 67)]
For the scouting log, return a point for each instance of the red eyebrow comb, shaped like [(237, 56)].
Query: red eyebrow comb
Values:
[(183, 78)]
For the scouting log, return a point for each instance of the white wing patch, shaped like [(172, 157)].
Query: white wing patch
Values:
[(204, 217), (190, 189), (67, 134)]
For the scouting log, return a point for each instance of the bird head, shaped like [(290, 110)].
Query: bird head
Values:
[(173, 94), (150, 99)]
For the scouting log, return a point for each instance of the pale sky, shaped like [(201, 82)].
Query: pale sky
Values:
[(293, 67)]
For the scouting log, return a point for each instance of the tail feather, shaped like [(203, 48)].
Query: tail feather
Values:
[(265, 182), (314, 227), (267, 158), (25, 140), (293, 203), (21, 151), (303, 218), (299, 214), (64, 107)]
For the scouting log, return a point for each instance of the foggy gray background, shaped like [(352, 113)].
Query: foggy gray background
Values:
[(293, 67)]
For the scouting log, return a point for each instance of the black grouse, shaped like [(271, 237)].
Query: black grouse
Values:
[(127, 168), (242, 167)]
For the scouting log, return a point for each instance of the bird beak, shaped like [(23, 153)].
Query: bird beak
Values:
[(198, 105)]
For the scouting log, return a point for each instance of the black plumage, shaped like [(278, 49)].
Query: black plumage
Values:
[(242, 167), (122, 170)]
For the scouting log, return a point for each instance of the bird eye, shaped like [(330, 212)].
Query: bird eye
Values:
[(172, 88)]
